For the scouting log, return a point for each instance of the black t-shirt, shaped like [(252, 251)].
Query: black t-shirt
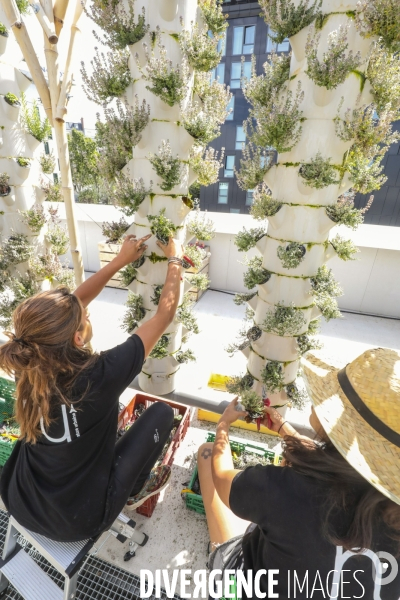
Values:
[(287, 508), (59, 486)]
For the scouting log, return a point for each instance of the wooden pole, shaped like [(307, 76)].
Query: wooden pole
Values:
[(61, 107), (44, 21), (60, 10), (29, 54)]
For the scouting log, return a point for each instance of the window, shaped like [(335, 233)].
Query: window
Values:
[(243, 39), (218, 73), (239, 70), (55, 177), (231, 107), (229, 164), (46, 148), (240, 137), (274, 47), (234, 210), (223, 193), (222, 44), (249, 197)]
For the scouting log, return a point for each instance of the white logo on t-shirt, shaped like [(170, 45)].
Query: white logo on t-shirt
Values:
[(67, 433)]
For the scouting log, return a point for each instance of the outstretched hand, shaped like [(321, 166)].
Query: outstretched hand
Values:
[(231, 414), (275, 418), (173, 248), (132, 249)]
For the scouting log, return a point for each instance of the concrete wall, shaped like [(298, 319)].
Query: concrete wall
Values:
[(371, 283)]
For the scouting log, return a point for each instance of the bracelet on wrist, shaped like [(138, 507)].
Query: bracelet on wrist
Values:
[(282, 424)]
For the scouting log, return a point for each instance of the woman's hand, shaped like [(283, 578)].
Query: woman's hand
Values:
[(231, 414), (276, 418), (173, 248), (132, 249)]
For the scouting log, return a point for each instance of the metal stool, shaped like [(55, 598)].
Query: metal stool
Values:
[(32, 583)]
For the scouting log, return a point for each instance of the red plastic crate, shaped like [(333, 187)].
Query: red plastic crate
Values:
[(124, 417)]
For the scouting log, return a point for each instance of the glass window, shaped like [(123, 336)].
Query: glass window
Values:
[(218, 73), (46, 148), (239, 70), (223, 193), (274, 47), (243, 39), (249, 197), (234, 210), (284, 46), (222, 44), (231, 107), (229, 164), (240, 137)]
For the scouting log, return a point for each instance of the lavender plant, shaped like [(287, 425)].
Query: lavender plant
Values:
[(31, 121), (213, 16), (46, 266), (380, 18), (248, 238), (213, 94), (262, 90), (185, 356), (47, 163), (318, 173), (336, 63), (255, 274), (345, 249), (200, 121), (168, 168), (240, 299), (284, 320), (272, 376), (263, 204), (168, 82), (344, 212), (186, 316), (291, 255), (58, 239), (128, 194), (15, 249), (365, 173), (196, 255), (238, 385), (206, 164), (200, 49), (305, 343), (18, 289), (201, 227), (162, 227), (160, 350), (287, 18), (118, 23), (155, 298), (135, 312), (110, 76), (324, 289), (114, 230), (298, 396), (199, 281), (254, 165), (383, 72)]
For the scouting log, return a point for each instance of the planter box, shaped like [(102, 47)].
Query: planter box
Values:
[(194, 501), (125, 415), (194, 292), (107, 252)]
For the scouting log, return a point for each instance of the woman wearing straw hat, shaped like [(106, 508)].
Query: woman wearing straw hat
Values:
[(328, 521)]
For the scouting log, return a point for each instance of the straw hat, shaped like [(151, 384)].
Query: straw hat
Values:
[(359, 408)]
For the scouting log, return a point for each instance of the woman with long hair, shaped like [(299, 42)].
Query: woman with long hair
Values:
[(67, 478), (326, 523)]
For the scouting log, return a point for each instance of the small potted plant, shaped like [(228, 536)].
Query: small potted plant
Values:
[(3, 38), (35, 218), (5, 189), (11, 105), (114, 232)]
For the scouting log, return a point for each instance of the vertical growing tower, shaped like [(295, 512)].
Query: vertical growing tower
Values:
[(153, 145), (327, 113)]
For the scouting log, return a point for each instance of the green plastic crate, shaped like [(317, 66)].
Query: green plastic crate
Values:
[(195, 501), (7, 399), (5, 451)]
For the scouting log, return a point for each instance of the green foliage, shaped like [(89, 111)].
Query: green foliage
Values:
[(272, 376), (128, 273), (114, 230), (201, 227), (255, 274), (32, 122), (263, 204), (200, 281), (35, 218), (380, 18), (128, 194), (15, 249), (200, 49), (160, 350), (305, 343), (336, 63), (12, 99), (48, 163), (286, 18), (184, 356), (245, 336), (247, 239), (262, 90), (110, 76), (196, 255), (252, 403), (52, 191), (58, 238), (284, 320), (84, 157), (213, 16), (291, 255), (3, 30), (254, 164), (318, 173), (383, 72), (167, 82), (344, 213), (135, 312), (66, 277), (325, 288), (279, 125), (345, 249), (202, 121), (298, 396), (162, 227), (238, 385), (46, 266), (19, 289), (156, 294), (185, 315), (206, 164), (23, 6), (365, 173), (117, 22), (24, 162), (240, 299), (168, 168)]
